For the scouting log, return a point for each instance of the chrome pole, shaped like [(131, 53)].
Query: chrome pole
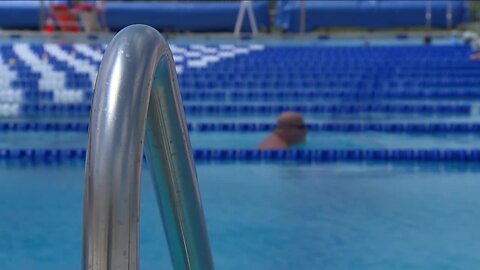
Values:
[(137, 90)]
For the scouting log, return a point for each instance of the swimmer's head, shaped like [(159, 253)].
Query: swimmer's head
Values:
[(291, 128)]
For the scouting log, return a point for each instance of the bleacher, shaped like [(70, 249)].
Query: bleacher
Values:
[(52, 79)]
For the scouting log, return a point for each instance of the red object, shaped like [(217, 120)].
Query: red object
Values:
[(49, 26), (84, 7), (65, 18)]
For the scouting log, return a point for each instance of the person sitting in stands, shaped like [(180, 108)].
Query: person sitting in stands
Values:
[(290, 130)]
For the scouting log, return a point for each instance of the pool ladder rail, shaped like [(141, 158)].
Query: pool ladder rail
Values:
[(137, 91)]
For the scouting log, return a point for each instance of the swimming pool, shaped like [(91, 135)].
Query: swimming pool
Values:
[(395, 211)]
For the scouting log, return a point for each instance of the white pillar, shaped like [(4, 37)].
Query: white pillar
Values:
[(245, 5)]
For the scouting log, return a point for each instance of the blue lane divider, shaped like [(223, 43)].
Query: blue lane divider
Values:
[(266, 127), (345, 127), (84, 109), (46, 126), (304, 155), (322, 155)]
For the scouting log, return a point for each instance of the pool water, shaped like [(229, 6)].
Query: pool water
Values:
[(249, 140), (267, 216)]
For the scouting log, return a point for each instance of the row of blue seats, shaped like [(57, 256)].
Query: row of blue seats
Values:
[(309, 63), (52, 61), (362, 58), (346, 82), (42, 109), (307, 86), (321, 58), (26, 75), (352, 52), (420, 50), (218, 74), (40, 51), (84, 109), (34, 85), (359, 53), (334, 70), (402, 47), (416, 52), (302, 79), (303, 155), (282, 82), (326, 52), (306, 65), (234, 85), (260, 86), (327, 72), (294, 48), (64, 45), (340, 73), (324, 77), (331, 69), (361, 76), (25, 72), (283, 75), (310, 78), (326, 55), (322, 95), (340, 94), (281, 95), (313, 61), (316, 109), (302, 65), (264, 127)]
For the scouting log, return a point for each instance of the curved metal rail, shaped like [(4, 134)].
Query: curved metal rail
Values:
[(137, 88)]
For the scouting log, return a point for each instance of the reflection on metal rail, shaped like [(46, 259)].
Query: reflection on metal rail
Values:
[(137, 89)]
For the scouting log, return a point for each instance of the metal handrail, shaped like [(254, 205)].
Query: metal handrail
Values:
[(137, 89)]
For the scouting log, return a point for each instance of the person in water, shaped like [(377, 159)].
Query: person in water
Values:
[(290, 130)]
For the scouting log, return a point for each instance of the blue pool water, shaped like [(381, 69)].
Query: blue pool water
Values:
[(249, 140), (269, 216), (263, 214)]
